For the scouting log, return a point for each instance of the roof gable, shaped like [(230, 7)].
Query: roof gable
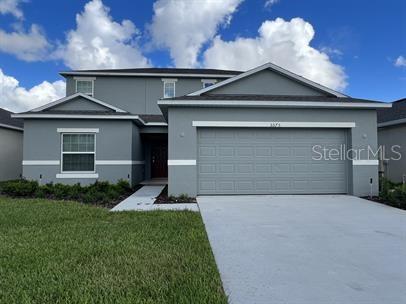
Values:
[(277, 81), (78, 101), (6, 121)]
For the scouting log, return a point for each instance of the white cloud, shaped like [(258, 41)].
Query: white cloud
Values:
[(100, 42), (269, 3), (285, 43), (28, 46), (16, 98), (184, 26), (11, 7), (400, 61)]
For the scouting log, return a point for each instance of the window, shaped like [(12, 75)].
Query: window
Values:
[(84, 86), (78, 152), (208, 82), (169, 88)]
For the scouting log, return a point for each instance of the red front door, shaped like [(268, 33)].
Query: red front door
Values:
[(159, 160)]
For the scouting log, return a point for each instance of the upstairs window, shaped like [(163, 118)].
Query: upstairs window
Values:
[(78, 152), (169, 88), (85, 86), (208, 82)]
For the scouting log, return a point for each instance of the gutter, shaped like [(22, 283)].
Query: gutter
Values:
[(392, 123), (78, 116), (272, 104), (147, 74), (11, 127)]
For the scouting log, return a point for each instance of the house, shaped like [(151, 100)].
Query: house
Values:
[(11, 146), (208, 131), (392, 139)]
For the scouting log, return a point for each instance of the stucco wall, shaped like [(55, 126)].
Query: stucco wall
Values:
[(11, 153), (267, 82), (183, 139), (137, 95), (116, 140), (389, 137)]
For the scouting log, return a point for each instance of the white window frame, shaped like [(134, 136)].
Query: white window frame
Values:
[(211, 81), (166, 81), (94, 152), (91, 79)]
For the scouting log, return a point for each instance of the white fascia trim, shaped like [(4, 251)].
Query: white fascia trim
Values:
[(273, 124), (77, 130), (120, 162), (155, 124), (67, 98), (392, 123), (11, 127), (272, 67), (365, 162), (148, 74), (273, 104), (181, 162), (77, 175), (84, 78), (68, 116), (41, 162)]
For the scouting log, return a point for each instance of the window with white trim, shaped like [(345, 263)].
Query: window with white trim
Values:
[(78, 152), (84, 86), (169, 88), (208, 82)]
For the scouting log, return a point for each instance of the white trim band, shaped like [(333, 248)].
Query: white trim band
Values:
[(181, 162), (273, 104), (273, 124), (365, 162), (120, 162), (77, 175), (41, 162), (77, 130)]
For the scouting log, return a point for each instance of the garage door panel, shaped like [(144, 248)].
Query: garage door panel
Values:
[(267, 161)]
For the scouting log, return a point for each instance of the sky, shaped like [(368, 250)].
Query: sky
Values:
[(357, 47)]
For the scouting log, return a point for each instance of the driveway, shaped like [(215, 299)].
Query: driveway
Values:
[(307, 249)]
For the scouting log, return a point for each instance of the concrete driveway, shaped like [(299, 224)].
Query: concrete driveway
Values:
[(307, 249)]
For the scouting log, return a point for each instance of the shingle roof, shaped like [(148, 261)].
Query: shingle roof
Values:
[(398, 111), (162, 71), (152, 118), (270, 98), (6, 119)]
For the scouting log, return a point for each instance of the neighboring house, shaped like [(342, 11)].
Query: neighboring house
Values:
[(208, 131), (11, 146), (392, 139)]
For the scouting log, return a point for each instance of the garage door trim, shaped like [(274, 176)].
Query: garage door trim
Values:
[(273, 124)]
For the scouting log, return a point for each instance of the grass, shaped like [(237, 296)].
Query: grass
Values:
[(65, 252)]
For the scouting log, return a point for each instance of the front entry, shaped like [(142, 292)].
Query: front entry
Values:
[(159, 159)]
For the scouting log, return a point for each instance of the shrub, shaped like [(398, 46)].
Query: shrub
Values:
[(19, 188), (392, 193), (99, 192)]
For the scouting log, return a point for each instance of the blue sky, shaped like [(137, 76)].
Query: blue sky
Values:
[(358, 47)]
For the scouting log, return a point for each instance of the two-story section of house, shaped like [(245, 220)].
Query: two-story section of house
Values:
[(109, 125), (208, 132)]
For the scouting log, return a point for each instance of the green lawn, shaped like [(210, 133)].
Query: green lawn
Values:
[(64, 252)]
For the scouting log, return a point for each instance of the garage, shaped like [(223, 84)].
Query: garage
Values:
[(270, 161)]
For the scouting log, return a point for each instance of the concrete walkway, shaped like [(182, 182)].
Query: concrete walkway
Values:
[(144, 198), (333, 249)]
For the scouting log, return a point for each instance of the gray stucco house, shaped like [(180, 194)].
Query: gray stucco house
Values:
[(11, 146), (207, 131), (392, 139)]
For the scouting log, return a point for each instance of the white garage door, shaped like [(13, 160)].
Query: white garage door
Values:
[(269, 161)]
